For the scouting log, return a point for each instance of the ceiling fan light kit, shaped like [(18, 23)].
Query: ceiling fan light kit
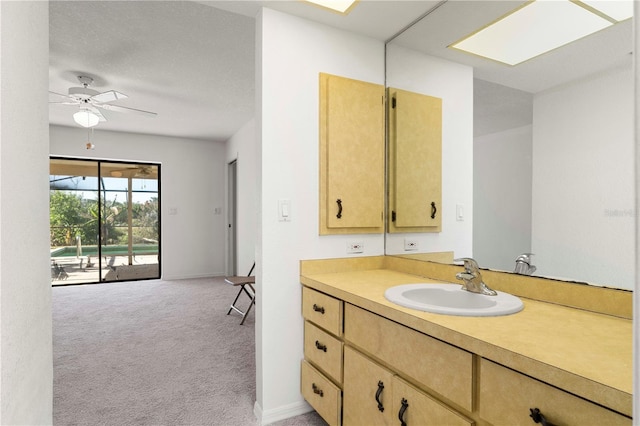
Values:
[(86, 118)]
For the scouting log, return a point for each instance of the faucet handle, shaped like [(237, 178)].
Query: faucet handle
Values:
[(470, 265), (525, 257)]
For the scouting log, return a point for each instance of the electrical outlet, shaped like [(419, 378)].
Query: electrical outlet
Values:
[(355, 247), (410, 245)]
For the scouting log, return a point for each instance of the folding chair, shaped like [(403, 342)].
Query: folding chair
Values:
[(243, 282)]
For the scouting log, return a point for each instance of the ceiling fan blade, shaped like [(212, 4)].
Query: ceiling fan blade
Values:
[(65, 103), (118, 108), (69, 100), (97, 112), (59, 94), (108, 96)]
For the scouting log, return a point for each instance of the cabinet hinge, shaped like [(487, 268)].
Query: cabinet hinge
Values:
[(393, 102), (393, 216)]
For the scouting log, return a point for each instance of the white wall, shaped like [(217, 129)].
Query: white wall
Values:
[(242, 148), (26, 371), (636, 292), (417, 72), (193, 176), (583, 173), (502, 197), (291, 52)]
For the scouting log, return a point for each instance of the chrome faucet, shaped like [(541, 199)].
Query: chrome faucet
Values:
[(523, 264), (472, 278)]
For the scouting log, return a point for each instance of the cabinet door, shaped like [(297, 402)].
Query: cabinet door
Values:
[(367, 391), (415, 162), (352, 156), (416, 408)]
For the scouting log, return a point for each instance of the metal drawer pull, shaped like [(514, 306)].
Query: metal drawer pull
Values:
[(537, 417), (318, 308), (434, 210), (405, 404), (339, 202), (317, 390), (378, 393), (320, 346)]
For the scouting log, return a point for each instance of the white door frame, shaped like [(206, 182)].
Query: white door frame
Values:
[(232, 197)]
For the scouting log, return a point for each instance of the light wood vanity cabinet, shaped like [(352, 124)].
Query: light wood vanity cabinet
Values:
[(351, 156), (359, 367)]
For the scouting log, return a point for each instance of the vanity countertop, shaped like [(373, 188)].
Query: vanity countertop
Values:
[(586, 353)]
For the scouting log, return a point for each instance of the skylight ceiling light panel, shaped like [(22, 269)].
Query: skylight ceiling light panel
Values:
[(615, 9), (342, 6), (532, 30)]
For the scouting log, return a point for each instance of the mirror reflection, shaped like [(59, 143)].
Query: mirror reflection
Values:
[(536, 158)]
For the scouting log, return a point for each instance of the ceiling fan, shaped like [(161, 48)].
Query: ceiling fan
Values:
[(135, 172), (90, 102)]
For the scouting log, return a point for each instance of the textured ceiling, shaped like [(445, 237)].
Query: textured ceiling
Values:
[(190, 63), (193, 62)]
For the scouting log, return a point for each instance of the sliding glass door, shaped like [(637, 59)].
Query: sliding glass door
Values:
[(105, 221)]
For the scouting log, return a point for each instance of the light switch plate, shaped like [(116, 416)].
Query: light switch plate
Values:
[(284, 210)]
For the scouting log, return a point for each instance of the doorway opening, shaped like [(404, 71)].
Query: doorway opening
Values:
[(104, 221)]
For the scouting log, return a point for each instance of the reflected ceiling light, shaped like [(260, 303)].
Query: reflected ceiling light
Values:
[(618, 10), (86, 118), (342, 6), (531, 30)]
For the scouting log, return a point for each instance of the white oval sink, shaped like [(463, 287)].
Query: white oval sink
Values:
[(451, 299)]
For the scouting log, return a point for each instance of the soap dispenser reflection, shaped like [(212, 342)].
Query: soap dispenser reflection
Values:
[(523, 264)]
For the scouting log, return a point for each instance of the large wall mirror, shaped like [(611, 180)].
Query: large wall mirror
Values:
[(537, 157)]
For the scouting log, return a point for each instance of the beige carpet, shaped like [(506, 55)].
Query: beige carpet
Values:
[(154, 353)]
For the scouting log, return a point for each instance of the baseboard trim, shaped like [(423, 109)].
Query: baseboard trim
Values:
[(280, 413), (190, 277)]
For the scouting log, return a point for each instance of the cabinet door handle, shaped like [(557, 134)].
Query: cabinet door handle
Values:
[(321, 347), (318, 308), (434, 210), (378, 393), (317, 390), (339, 202), (537, 417), (405, 404)]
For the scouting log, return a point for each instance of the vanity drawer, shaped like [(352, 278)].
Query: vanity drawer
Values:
[(507, 396), (320, 393), (443, 368), (324, 311), (323, 350)]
